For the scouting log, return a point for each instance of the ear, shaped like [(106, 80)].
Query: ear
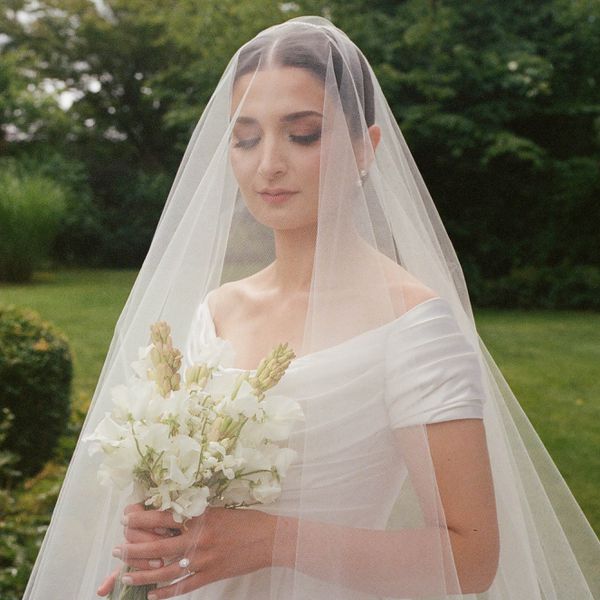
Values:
[(375, 135)]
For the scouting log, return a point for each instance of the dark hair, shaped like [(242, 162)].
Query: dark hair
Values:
[(309, 48)]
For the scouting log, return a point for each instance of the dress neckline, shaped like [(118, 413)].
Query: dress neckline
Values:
[(336, 347)]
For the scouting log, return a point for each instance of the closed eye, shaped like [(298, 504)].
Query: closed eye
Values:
[(248, 143), (306, 139)]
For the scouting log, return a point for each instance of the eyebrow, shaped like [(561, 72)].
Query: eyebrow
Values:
[(285, 119)]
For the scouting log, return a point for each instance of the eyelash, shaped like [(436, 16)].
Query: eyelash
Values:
[(304, 140)]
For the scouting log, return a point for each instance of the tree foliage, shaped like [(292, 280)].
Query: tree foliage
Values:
[(498, 103)]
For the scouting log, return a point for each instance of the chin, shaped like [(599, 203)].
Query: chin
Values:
[(280, 217), (282, 222)]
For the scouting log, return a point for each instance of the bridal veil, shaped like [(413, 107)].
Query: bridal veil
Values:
[(378, 238)]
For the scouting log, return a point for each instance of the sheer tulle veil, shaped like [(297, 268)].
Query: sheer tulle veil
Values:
[(368, 351)]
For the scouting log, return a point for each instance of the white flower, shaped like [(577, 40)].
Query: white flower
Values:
[(216, 448), (141, 366), (118, 466), (253, 459), (208, 464), (182, 459), (107, 436), (221, 383), (267, 491), (153, 435), (245, 403), (216, 352), (176, 475), (190, 503), (176, 406), (138, 400), (280, 414), (229, 464)]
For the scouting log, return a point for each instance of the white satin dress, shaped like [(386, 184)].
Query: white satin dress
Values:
[(416, 369)]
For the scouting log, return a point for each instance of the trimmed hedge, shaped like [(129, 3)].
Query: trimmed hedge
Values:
[(35, 384)]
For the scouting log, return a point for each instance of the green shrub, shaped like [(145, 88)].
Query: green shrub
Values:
[(562, 287), (7, 458), (80, 235), (35, 381), (31, 209), (24, 516)]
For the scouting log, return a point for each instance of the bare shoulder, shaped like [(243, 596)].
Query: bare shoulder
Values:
[(231, 297), (224, 299), (406, 290)]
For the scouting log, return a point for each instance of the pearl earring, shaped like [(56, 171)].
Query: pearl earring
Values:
[(362, 175)]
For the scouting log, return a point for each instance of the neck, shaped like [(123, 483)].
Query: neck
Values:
[(294, 250), (291, 272)]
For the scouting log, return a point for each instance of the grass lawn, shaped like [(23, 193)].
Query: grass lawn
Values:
[(551, 360), (85, 304)]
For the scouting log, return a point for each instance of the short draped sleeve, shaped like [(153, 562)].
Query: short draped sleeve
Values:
[(432, 371), (202, 331)]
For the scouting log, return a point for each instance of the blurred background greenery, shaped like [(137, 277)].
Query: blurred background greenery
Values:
[(498, 102)]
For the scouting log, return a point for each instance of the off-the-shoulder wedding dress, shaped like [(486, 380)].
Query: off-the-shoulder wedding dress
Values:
[(416, 369)]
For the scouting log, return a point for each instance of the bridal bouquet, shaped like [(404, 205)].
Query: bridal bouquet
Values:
[(209, 440)]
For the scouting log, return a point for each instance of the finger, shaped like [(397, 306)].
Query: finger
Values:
[(171, 546), (109, 583), (143, 564), (147, 577), (140, 535), (151, 519), (133, 508), (193, 582), (167, 531)]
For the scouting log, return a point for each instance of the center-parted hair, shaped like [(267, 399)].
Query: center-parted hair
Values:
[(311, 48)]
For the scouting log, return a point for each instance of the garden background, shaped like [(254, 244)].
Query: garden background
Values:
[(498, 101)]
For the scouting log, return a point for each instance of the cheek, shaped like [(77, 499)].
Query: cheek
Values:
[(311, 166), (242, 167)]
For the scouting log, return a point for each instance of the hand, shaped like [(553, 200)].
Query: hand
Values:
[(108, 584), (220, 543), (134, 535)]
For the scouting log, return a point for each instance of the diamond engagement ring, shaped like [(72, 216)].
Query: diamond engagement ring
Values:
[(184, 563)]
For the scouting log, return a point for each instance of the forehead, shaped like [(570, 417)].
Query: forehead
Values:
[(273, 93)]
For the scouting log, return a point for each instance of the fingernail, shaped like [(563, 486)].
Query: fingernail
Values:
[(155, 563), (152, 597), (160, 531), (124, 520), (127, 580), (116, 552)]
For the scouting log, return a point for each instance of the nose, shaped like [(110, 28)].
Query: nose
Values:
[(272, 160)]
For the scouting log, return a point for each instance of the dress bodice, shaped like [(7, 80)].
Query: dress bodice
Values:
[(416, 369)]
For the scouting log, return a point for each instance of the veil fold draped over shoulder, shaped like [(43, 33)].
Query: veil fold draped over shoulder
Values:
[(417, 474)]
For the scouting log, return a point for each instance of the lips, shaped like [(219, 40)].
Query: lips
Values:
[(276, 196)]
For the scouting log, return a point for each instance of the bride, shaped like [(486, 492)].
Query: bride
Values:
[(298, 215)]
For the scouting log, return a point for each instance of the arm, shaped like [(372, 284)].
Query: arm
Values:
[(394, 563), (397, 563)]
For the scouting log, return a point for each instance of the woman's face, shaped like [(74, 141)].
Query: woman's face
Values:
[(276, 145)]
